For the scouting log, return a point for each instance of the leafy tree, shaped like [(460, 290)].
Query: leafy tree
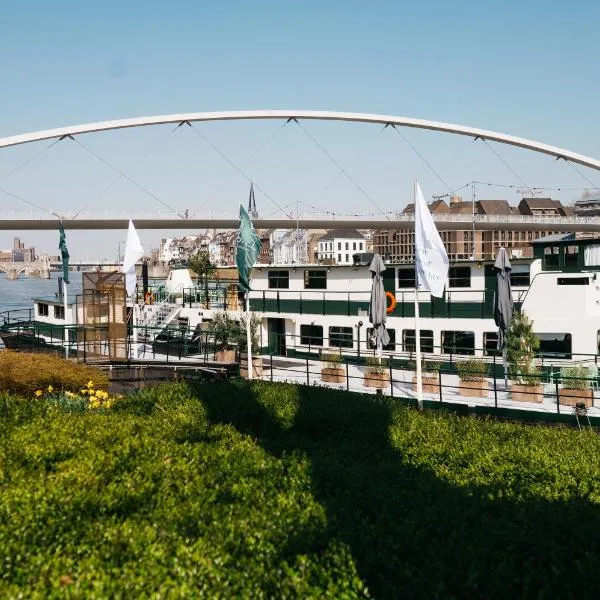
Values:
[(521, 346), (204, 269)]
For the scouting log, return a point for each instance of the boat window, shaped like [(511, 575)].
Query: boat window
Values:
[(519, 279), (59, 312), (408, 340), (573, 281), (392, 334), (490, 343), (571, 256), (458, 342), (551, 254), (406, 278), (279, 280), (340, 337), (311, 335), (315, 280), (459, 277), (42, 309), (591, 255), (555, 344)]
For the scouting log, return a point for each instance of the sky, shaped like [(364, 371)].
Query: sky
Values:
[(524, 68)]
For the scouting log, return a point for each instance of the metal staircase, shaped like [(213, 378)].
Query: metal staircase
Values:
[(155, 318)]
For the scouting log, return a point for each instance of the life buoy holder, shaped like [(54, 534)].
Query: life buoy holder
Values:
[(391, 303)]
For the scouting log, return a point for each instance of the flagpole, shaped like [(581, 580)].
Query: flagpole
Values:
[(417, 324), (65, 308), (248, 335)]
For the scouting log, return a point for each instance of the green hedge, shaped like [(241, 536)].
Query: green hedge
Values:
[(271, 490)]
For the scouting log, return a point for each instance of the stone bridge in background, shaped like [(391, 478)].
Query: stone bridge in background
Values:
[(38, 268)]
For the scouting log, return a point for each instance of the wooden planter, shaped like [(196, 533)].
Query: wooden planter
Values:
[(473, 389), (225, 356), (257, 366), (431, 385), (333, 374), (527, 393), (570, 397), (376, 379)]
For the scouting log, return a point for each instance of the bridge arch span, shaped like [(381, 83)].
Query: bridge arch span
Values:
[(474, 132)]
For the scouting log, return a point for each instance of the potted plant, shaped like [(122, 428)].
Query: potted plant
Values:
[(242, 345), (223, 329), (377, 373), (521, 346), (205, 270), (472, 375), (576, 386), (333, 372), (430, 379)]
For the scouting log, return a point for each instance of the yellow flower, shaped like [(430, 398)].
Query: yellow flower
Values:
[(38, 393), (90, 384), (50, 389), (84, 391)]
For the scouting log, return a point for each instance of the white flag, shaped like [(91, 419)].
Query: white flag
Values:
[(133, 252), (431, 259)]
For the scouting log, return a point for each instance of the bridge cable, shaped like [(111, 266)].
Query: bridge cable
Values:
[(128, 170), (504, 162), (578, 172), (29, 160), (337, 164), (350, 162), (16, 197), (419, 155), (245, 166), (536, 187), (238, 169), (125, 176)]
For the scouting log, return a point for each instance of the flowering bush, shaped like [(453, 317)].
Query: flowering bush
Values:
[(87, 398), (24, 373)]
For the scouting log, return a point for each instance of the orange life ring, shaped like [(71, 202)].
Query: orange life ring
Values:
[(391, 305)]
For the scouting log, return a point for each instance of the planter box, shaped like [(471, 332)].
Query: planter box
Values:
[(257, 366), (473, 389), (373, 379), (225, 356), (527, 393), (570, 397), (431, 385), (333, 374)]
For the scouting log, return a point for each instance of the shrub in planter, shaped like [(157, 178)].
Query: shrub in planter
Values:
[(333, 371), (430, 378), (377, 373), (472, 374), (521, 346), (576, 386), (224, 328)]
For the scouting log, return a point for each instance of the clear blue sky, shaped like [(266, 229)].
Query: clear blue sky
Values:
[(524, 68)]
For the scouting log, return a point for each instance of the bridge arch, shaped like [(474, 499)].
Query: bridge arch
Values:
[(474, 132)]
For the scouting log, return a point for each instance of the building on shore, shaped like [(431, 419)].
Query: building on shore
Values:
[(338, 245), (397, 245), (18, 253)]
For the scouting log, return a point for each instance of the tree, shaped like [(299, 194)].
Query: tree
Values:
[(521, 346), (204, 269)]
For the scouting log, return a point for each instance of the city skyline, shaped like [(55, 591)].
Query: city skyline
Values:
[(514, 68)]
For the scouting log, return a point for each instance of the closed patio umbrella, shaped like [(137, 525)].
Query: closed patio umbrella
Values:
[(378, 306), (503, 303)]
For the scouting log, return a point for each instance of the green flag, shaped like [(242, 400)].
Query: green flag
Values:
[(247, 249), (62, 245)]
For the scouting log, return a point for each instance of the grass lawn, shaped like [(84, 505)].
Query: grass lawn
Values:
[(271, 490)]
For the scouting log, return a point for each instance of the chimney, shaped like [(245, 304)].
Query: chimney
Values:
[(455, 199)]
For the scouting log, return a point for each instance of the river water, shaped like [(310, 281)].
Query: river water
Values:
[(19, 293)]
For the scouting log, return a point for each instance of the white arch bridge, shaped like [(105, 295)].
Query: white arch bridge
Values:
[(290, 115)]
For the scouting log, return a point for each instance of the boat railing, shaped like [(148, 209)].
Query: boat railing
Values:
[(16, 316), (454, 303)]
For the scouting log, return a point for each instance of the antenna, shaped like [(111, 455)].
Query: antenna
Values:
[(531, 192)]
